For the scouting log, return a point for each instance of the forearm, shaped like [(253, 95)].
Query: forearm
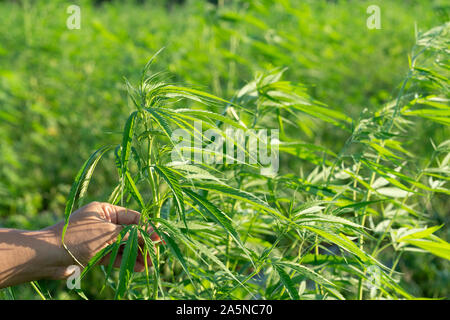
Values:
[(29, 255)]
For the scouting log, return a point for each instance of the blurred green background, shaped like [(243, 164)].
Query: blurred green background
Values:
[(62, 92)]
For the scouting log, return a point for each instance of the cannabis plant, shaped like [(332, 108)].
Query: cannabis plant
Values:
[(312, 223)]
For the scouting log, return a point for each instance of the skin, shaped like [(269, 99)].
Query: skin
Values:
[(34, 255)]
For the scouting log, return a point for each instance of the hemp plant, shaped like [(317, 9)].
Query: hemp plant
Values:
[(320, 224)]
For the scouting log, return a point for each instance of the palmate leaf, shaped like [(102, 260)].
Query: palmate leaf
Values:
[(386, 173), (342, 241), (208, 115), (174, 234), (438, 247), (171, 244), (383, 171), (81, 184), (95, 259), (161, 121), (112, 249), (437, 115), (296, 183), (239, 195), (200, 249), (419, 233), (180, 120), (307, 217), (383, 151), (196, 95), (217, 215), (289, 97), (197, 248), (196, 172), (326, 259), (306, 272), (391, 283), (424, 239), (355, 206), (326, 114)]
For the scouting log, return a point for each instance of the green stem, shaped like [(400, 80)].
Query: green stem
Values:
[(33, 284)]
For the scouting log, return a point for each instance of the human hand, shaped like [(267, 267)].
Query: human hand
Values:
[(33, 255), (91, 229)]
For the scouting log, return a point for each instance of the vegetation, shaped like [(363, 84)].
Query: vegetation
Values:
[(358, 208)]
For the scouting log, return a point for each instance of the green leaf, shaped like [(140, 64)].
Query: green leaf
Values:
[(196, 95), (148, 242), (342, 241), (419, 234), (217, 215), (238, 194), (114, 252), (81, 183), (131, 187), (161, 121), (128, 262), (96, 258), (306, 272), (169, 175), (287, 281), (439, 248), (204, 114), (127, 141), (305, 218), (173, 247), (197, 248)]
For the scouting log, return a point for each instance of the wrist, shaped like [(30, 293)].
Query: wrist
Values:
[(56, 257), (30, 255)]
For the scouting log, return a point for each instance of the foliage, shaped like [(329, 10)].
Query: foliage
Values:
[(358, 195), (224, 225)]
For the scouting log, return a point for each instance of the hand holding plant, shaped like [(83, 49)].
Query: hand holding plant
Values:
[(94, 227), (35, 255)]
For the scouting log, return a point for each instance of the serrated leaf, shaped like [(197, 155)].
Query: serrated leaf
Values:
[(217, 215), (127, 141), (169, 175), (287, 281), (306, 272), (128, 262), (81, 183)]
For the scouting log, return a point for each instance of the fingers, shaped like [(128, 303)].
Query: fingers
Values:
[(122, 216), (139, 263), (119, 215)]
